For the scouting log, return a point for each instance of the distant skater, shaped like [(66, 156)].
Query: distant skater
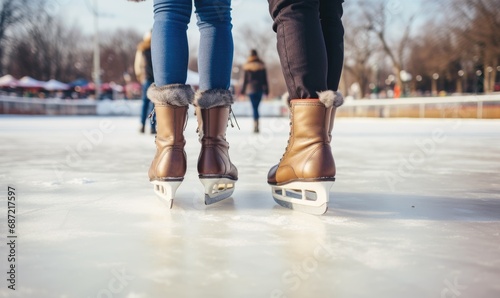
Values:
[(143, 67), (255, 84), (311, 50)]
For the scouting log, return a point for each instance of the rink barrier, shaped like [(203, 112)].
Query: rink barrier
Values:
[(50, 106), (469, 106), (480, 106)]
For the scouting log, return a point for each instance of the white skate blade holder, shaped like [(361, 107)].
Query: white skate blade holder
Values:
[(217, 189), (307, 197), (166, 190)]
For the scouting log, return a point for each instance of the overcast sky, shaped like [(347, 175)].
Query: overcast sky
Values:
[(116, 14), (124, 14)]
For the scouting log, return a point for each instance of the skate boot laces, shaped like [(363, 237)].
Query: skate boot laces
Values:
[(234, 116), (200, 132), (289, 136)]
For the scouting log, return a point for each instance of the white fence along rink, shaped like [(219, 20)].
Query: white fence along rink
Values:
[(241, 108)]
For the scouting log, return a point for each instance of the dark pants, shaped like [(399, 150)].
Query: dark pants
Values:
[(310, 44), (255, 98), (147, 105)]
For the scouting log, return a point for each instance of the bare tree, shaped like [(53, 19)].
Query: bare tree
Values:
[(12, 14), (47, 49), (436, 56), (261, 38), (478, 23), (360, 49), (378, 16), (118, 53)]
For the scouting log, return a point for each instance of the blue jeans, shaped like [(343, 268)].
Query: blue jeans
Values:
[(255, 98), (170, 51), (147, 105)]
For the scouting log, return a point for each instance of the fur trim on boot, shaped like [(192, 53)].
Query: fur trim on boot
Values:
[(213, 98), (331, 98), (173, 94), (285, 99)]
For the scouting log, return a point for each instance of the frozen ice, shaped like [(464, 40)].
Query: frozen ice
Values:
[(415, 212)]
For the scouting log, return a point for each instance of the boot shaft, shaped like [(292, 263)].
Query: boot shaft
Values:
[(310, 121), (213, 124), (330, 100), (171, 107), (214, 158), (329, 122), (171, 121), (308, 156)]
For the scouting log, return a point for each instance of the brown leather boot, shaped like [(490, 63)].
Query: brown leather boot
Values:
[(216, 171), (168, 167), (169, 163), (306, 172)]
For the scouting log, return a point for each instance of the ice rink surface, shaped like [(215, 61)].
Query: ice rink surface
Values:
[(415, 212)]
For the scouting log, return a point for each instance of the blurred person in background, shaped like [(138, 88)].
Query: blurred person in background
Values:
[(255, 84), (311, 50), (172, 97), (143, 67)]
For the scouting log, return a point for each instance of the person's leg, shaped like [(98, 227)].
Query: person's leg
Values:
[(169, 44), (331, 12), (169, 94), (303, 177), (215, 58), (145, 105), (213, 99), (301, 46), (152, 120), (333, 32), (255, 99)]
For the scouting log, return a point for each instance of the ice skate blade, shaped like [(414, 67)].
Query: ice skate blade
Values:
[(217, 189), (307, 197), (166, 190)]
